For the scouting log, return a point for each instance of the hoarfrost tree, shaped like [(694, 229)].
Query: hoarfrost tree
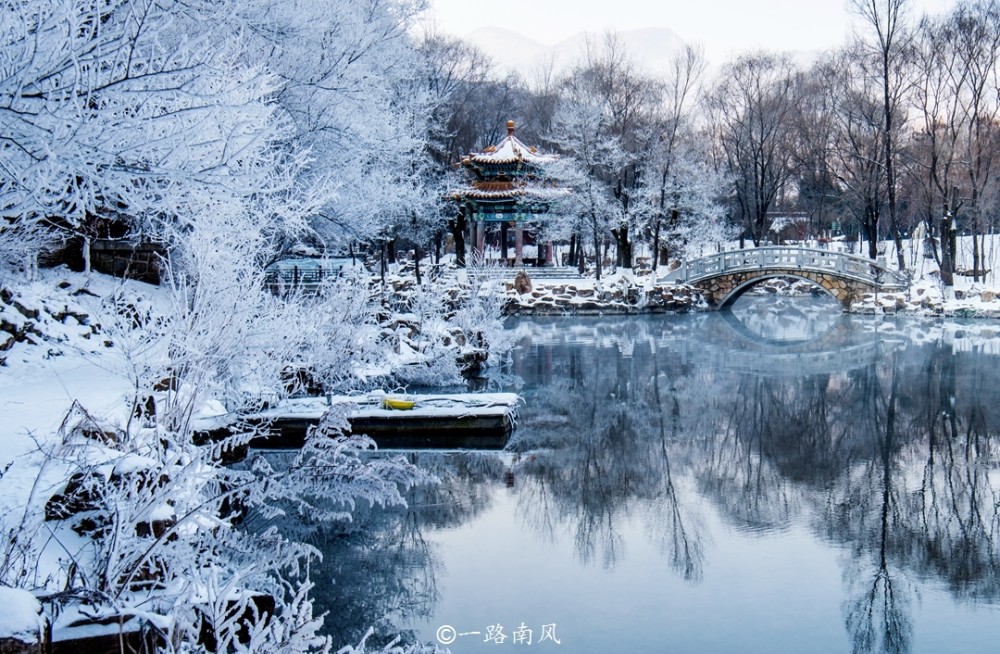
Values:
[(459, 81), (607, 80), (151, 114), (675, 187), (590, 157), (127, 113), (350, 89), (688, 215)]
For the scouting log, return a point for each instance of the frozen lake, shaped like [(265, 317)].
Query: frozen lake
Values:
[(784, 479)]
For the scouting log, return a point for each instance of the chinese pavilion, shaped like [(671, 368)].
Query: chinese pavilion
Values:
[(508, 187)]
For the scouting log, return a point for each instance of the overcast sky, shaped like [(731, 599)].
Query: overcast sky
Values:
[(721, 26)]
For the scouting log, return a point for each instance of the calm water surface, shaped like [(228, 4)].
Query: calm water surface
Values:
[(782, 479)]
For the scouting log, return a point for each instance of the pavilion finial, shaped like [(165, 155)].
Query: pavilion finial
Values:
[(510, 128)]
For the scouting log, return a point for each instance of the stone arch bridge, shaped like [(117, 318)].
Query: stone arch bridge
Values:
[(725, 276)]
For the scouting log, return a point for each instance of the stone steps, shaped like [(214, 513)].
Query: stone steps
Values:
[(558, 272)]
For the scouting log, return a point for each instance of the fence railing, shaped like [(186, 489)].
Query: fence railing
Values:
[(830, 262)]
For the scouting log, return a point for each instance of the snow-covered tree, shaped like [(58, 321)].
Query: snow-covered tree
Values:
[(589, 156), (609, 80), (678, 198), (685, 213), (130, 113), (352, 93)]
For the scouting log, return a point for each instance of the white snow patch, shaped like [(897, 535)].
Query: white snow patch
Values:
[(21, 615)]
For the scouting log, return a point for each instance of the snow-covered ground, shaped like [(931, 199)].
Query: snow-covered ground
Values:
[(66, 360), (68, 396)]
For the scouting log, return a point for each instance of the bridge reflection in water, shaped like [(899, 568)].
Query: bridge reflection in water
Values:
[(837, 346), (654, 496), (772, 336)]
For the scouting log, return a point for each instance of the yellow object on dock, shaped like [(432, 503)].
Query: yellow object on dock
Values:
[(399, 405)]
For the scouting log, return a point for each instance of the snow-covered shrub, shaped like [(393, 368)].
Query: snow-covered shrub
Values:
[(392, 648), (154, 529), (421, 341), (481, 313)]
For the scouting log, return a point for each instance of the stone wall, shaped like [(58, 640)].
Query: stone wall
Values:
[(140, 261), (728, 287), (548, 297)]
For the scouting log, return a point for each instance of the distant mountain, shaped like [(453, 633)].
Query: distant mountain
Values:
[(650, 48)]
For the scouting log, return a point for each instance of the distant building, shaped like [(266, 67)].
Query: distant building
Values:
[(788, 226), (508, 187)]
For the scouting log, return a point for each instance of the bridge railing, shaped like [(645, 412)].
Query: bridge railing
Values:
[(790, 258)]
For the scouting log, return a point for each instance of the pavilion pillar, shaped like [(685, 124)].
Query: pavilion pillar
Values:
[(518, 243), (503, 242), (481, 239)]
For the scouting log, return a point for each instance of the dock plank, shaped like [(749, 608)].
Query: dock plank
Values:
[(462, 421)]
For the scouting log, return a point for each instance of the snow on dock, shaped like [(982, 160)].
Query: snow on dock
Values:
[(453, 421)]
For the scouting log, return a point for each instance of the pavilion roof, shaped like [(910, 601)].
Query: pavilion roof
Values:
[(509, 151), (525, 192)]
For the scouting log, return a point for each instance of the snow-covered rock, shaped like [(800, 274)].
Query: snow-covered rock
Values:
[(619, 295), (21, 618)]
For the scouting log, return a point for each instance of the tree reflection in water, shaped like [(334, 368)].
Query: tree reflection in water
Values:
[(602, 444), (888, 453), (380, 570), (878, 438)]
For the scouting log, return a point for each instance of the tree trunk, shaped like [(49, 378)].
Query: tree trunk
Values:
[(457, 227), (382, 260), (656, 246), (623, 247), (416, 262), (949, 241), (975, 256), (947, 267), (86, 254), (871, 231), (978, 260), (869, 227), (597, 255), (503, 242)]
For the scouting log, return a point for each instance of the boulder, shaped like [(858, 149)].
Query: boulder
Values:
[(522, 283)]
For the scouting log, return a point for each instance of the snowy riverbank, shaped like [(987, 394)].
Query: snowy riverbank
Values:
[(625, 294)]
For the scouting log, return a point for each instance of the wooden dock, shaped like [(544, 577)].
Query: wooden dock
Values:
[(477, 421)]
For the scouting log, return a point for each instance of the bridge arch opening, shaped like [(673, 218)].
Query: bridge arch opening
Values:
[(741, 289)]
